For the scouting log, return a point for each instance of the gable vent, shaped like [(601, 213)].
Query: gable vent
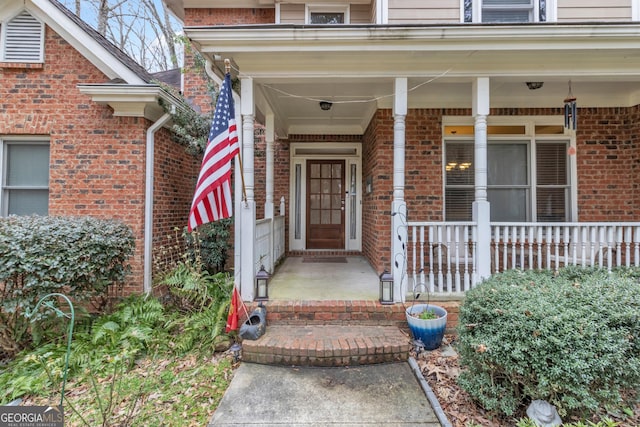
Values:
[(23, 39)]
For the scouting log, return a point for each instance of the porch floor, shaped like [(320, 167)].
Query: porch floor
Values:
[(322, 280)]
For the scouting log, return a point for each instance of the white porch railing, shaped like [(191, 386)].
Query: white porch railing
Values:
[(269, 245), (553, 245), (441, 256)]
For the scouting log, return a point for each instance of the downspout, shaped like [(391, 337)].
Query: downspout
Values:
[(148, 200)]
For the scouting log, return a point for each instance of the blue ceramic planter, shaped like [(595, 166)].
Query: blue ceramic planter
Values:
[(431, 331)]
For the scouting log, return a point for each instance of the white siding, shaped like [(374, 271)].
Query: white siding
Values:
[(361, 14), (291, 13), (594, 10), (424, 11)]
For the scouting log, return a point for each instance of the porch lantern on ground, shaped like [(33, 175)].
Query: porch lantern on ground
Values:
[(261, 291), (386, 288)]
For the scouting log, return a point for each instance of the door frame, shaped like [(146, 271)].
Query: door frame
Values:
[(351, 153)]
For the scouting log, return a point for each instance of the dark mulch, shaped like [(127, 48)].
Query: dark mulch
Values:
[(441, 367)]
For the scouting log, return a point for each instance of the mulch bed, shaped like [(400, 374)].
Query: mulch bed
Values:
[(441, 368)]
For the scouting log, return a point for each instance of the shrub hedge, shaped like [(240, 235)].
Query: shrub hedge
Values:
[(571, 338), (79, 257)]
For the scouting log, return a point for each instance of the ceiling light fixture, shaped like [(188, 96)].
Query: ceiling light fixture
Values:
[(534, 85), (325, 105)]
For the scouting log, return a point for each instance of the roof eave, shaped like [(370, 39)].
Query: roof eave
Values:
[(423, 37), (132, 100)]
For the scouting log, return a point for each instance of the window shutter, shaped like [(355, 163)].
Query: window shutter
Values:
[(23, 39)]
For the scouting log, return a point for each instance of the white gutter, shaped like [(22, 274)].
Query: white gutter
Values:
[(148, 200)]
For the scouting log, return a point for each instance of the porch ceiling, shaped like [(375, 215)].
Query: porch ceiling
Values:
[(294, 67)]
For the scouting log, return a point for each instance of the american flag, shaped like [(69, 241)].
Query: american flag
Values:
[(212, 199)]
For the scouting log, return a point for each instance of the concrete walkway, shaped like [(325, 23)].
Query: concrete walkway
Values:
[(372, 395)]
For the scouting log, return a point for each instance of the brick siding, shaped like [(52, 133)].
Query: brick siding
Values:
[(97, 161), (228, 16)]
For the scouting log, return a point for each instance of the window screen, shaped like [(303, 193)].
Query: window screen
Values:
[(509, 181), (507, 11), (26, 179), (326, 18)]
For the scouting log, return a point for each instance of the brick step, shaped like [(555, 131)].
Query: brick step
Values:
[(327, 345), (338, 312)]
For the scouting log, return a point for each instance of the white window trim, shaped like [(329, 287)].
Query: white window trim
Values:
[(528, 136), (327, 8), (552, 11), (351, 153), (4, 142), (3, 38)]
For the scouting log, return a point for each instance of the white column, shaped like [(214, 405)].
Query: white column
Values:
[(399, 206), (270, 155), (481, 208), (247, 214), (237, 179)]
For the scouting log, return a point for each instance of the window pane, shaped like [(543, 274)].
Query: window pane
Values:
[(314, 186), (506, 3), (507, 164), (498, 16), (28, 202), (327, 18), (508, 204), (326, 217), (326, 186), (551, 204), (459, 164), (458, 204), (27, 165), (314, 201), (326, 171), (326, 202), (335, 186), (551, 161), (315, 171)]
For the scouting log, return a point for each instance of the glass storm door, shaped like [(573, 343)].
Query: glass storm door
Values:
[(325, 202)]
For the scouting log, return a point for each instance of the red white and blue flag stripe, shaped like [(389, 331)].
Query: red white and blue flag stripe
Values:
[(213, 199)]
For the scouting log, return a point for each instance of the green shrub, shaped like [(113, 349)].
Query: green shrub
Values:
[(79, 257), (117, 339), (210, 242), (572, 339)]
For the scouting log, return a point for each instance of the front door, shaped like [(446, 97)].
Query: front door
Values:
[(325, 200)]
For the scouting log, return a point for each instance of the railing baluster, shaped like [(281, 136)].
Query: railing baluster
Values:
[(618, 252), (474, 240), (440, 275), (414, 256), (627, 240), (636, 252), (548, 247), (431, 255), (496, 248), (449, 286), (466, 285), (522, 243), (505, 248), (539, 244), (422, 276)]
